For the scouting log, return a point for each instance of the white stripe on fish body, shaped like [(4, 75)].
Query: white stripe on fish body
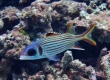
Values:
[(59, 50), (57, 44), (55, 38)]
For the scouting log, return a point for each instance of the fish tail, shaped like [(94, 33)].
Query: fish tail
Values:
[(86, 35)]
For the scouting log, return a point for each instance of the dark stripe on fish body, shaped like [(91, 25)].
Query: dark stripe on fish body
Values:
[(54, 38), (58, 42), (56, 51), (60, 48), (43, 42), (40, 50)]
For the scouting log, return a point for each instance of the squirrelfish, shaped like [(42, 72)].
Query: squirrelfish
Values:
[(52, 45)]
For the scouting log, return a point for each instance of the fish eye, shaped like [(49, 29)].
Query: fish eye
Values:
[(31, 52)]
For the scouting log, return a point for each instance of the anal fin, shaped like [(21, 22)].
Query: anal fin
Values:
[(77, 48)]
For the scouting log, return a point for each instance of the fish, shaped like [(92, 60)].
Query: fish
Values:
[(50, 46)]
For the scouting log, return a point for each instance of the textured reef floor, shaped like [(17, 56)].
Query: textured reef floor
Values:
[(22, 21)]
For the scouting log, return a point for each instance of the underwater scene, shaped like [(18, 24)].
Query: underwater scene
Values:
[(54, 39)]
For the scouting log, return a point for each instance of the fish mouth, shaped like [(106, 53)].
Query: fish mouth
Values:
[(22, 58), (27, 58)]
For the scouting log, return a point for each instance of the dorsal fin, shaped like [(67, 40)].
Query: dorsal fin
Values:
[(70, 28), (52, 34)]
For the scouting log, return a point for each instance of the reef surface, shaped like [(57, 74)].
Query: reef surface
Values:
[(22, 21)]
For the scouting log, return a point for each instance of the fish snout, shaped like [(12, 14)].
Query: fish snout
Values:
[(27, 57)]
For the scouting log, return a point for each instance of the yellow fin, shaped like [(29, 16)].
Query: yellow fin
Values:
[(86, 35), (70, 28)]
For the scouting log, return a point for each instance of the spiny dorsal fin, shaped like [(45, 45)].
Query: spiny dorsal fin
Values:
[(52, 34)]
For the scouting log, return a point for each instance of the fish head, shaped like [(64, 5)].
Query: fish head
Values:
[(32, 52)]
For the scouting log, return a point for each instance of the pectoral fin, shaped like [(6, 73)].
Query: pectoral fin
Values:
[(54, 58)]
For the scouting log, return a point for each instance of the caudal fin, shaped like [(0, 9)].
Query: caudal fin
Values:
[(87, 37)]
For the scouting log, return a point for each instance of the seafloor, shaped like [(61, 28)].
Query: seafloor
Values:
[(23, 21)]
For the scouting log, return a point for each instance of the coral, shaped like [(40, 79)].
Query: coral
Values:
[(43, 17), (75, 69), (102, 25), (10, 13), (13, 43), (43, 0), (21, 25), (103, 52), (104, 63), (50, 77), (1, 23), (5, 67), (15, 3), (52, 72), (108, 4), (80, 68), (67, 58), (39, 76)]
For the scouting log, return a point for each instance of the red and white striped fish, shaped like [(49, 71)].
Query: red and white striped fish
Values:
[(52, 45)]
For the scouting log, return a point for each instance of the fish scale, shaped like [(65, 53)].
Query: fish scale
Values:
[(59, 44), (59, 49), (56, 43), (54, 38), (53, 46)]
